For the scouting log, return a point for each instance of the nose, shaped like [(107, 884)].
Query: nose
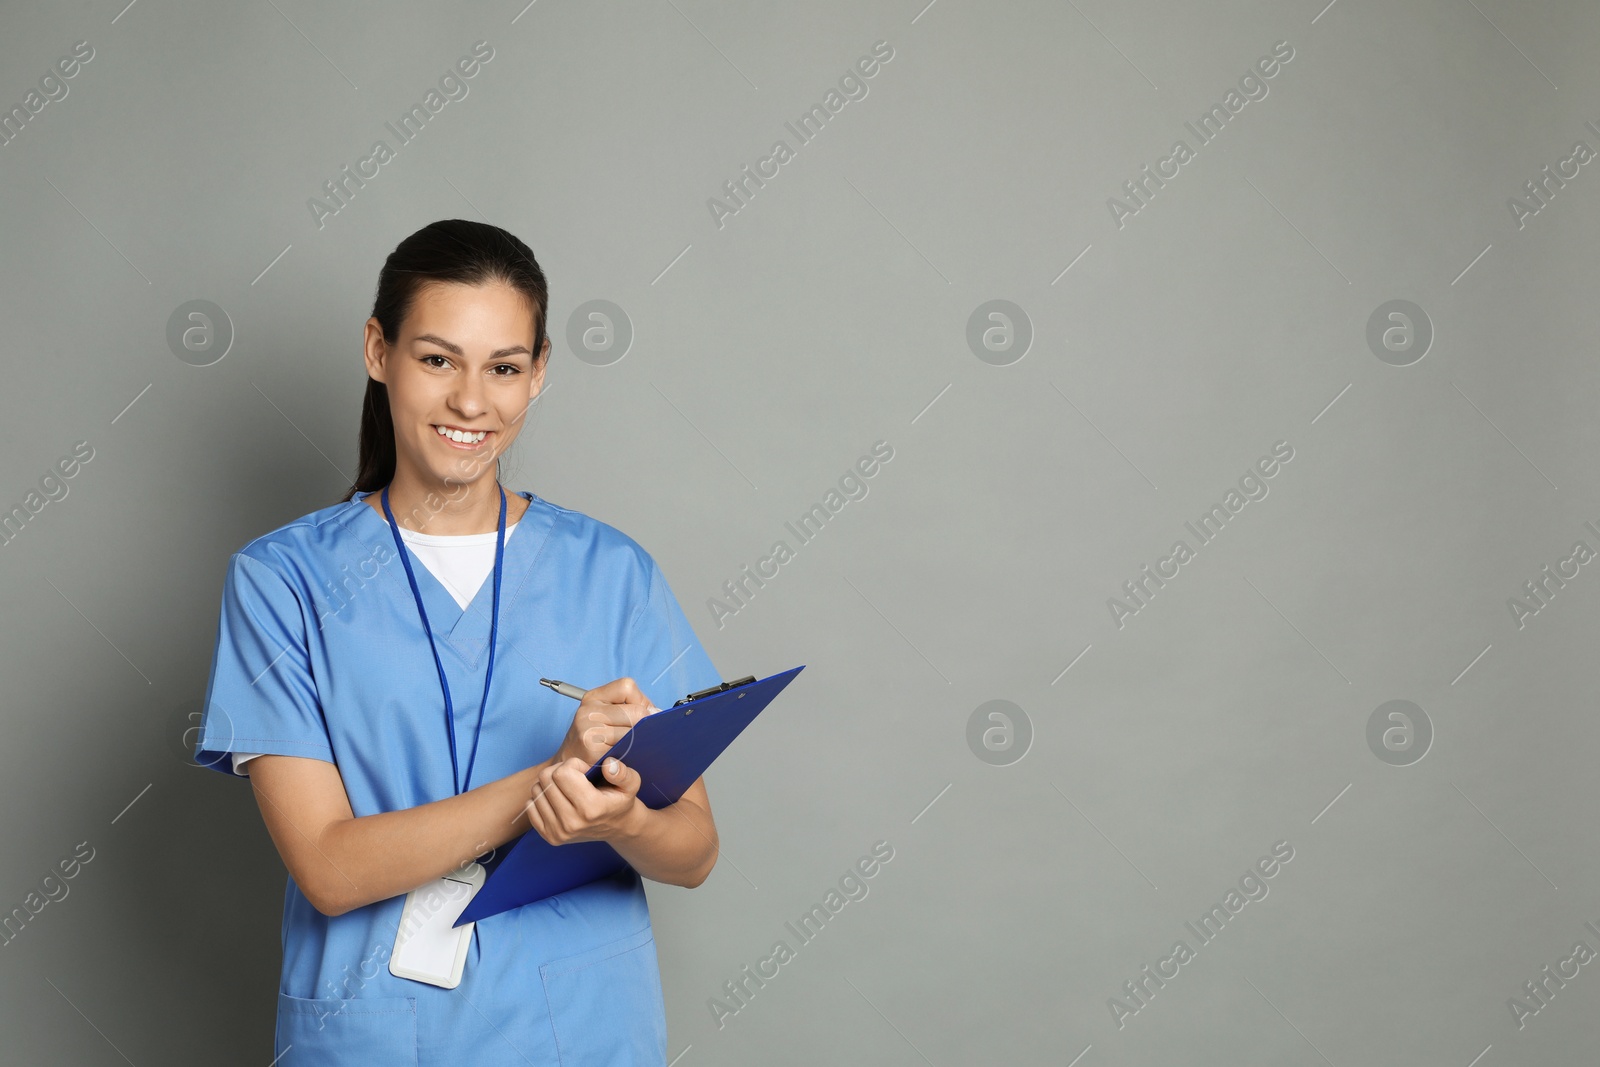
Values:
[(468, 397)]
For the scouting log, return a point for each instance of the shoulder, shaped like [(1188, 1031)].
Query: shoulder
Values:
[(599, 542), (606, 558), (317, 539)]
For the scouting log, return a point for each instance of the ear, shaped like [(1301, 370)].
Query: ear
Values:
[(375, 351), (536, 379)]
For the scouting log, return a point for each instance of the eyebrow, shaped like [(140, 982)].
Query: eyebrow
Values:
[(499, 353)]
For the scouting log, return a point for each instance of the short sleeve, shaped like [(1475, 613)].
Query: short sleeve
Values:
[(661, 652), (261, 697)]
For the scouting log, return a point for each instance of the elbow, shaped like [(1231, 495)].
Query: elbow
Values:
[(698, 878), (331, 909), (325, 905), (322, 881), (325, 899)]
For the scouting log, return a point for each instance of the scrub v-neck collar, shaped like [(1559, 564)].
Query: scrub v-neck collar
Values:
[(466, 630)]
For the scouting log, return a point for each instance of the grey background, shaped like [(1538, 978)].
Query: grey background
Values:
[(769, 354)]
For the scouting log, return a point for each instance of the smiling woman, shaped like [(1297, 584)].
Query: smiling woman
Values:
[(363, 751), (450, 414)]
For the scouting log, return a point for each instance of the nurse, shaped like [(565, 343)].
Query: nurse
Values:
[(376, 677)]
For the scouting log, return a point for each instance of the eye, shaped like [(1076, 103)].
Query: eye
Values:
[(434, 355), (512, 367)]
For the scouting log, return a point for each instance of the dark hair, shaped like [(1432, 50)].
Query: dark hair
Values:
[(450, 250)]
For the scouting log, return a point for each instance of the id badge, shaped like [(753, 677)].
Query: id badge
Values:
[(426, 947)]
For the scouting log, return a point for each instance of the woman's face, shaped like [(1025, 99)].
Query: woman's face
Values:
[(463, 364)]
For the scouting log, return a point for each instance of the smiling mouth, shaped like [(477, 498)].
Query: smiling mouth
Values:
[(465, 438)]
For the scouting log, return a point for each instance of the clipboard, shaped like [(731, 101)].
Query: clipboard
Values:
[(670, 749)]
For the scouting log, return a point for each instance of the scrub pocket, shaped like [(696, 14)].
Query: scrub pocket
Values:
[(315, 1033), (606, 1006)]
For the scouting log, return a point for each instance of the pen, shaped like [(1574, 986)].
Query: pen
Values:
[(564, 688)]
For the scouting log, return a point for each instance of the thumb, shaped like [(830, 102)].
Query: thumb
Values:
[(620, 775)]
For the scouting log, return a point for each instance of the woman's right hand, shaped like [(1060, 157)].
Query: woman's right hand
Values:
[(604, 715)]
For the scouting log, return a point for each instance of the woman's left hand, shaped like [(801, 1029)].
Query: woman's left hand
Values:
[(566, 808)]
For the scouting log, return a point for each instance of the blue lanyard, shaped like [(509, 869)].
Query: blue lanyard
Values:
[(494, 626)]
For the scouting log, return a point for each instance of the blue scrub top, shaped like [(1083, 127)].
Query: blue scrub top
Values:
[(320, 653)]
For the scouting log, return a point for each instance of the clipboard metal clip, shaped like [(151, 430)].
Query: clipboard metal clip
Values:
[(722, 687)]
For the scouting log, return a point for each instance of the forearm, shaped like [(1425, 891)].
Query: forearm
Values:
[(676, 844), (375, 857)]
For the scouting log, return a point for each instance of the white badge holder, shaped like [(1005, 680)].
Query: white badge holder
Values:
[(426, 947)]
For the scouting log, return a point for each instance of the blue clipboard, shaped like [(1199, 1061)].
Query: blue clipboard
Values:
[(670, 750)]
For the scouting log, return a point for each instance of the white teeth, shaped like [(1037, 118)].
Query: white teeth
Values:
[(461, 436)]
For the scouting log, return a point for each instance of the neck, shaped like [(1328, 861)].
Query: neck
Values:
[(459, 508)]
